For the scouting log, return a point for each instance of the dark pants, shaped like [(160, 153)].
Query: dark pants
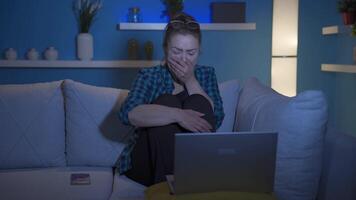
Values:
[(153, 155)]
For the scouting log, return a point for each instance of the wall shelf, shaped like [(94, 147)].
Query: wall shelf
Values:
[(338, 68), (332, 30), (203, 26), (78, 63)]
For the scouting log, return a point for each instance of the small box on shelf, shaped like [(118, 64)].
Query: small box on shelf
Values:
[(228, 12)]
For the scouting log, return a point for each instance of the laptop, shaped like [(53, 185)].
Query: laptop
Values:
[(234, 161)]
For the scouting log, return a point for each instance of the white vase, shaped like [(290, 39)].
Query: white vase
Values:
[(51, 53), (32, 54), (11, 54), (85, 49)]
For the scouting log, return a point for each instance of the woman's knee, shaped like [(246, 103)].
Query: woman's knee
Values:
[(197, 101), (201, 104), (168, 100)]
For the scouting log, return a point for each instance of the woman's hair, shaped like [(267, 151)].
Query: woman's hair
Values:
[(181, 23)]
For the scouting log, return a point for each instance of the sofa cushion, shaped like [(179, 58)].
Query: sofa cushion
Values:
[(338, 179), (126, 189), (229, 92), (55, 184), (32, 132), (300, 122), (95, 135)]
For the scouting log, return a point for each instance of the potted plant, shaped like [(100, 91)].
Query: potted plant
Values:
[(172, 7), (347, 8), (85, 12)]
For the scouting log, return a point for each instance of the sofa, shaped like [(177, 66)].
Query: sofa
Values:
[(61, 140)]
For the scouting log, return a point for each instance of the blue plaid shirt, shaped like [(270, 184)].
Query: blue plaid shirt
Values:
[(155, 81)]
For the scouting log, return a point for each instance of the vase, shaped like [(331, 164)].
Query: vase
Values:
[(51, 53), (11, 54), (134, 15), (85, 48), (348, 18), (32, 54)]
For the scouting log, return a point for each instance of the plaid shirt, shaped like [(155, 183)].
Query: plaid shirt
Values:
[(155, 81)]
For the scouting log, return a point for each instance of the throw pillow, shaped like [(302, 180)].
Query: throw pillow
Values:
[(229, 92), (32, 132), (300, 122), (95, 135)]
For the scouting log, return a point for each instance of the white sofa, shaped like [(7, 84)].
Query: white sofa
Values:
[(50, 132)]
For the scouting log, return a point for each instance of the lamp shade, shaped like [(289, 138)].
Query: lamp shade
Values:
[(284, 79), (285, 28)]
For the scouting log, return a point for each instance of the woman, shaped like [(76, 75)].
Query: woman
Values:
[(177, 96)]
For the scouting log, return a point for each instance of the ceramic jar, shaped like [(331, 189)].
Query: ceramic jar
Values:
[(10, 54), (149, 50), (133, 49), (32, 54), (51, 54)]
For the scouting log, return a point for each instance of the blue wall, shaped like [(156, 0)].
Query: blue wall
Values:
[(43, 23), (237, 54), (315, 49)]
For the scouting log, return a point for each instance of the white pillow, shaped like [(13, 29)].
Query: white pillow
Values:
[(32, 125), (95, 135), (229, 92), (300, 122)]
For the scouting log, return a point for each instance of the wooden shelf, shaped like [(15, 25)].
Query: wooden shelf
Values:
[(332, 30), (338, 68), (203, 26), (79, 64)]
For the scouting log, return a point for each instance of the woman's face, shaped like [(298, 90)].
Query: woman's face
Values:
[(183, 47)]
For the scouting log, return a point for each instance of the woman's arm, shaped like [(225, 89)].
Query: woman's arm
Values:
[(150, 115)]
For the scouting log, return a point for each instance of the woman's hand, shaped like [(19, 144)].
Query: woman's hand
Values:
[(193, 121), (183, 70)]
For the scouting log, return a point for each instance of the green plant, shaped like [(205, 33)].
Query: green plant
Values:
[(172, 7), (342, 6), (353, 30), (85, 12), (346, 6)]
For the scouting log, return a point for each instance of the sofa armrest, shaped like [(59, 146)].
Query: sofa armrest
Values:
[(338, 180)]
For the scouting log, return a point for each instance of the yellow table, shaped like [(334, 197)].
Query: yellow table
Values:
[(160, 191)]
